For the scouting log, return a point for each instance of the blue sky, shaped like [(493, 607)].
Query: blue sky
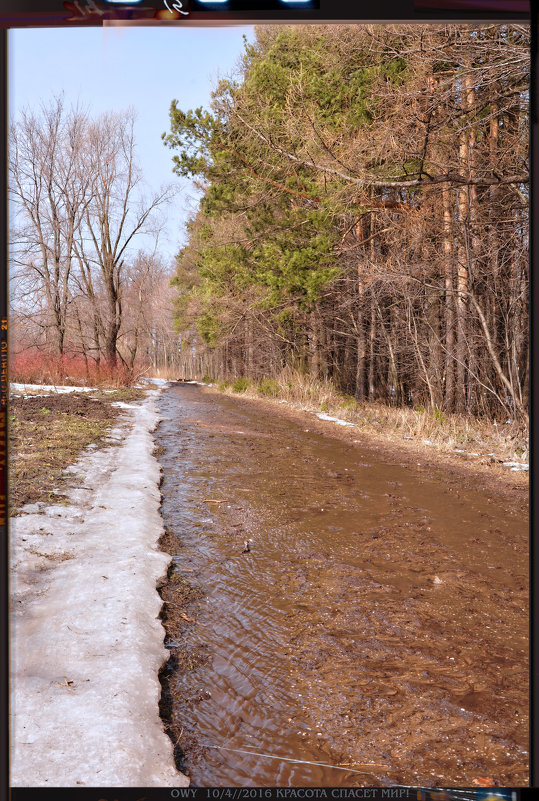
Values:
[(116, 67)]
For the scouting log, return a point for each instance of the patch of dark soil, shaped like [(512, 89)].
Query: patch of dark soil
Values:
[(179, 610), (48, 433), (165, 710), (125, 394), (33, 409)]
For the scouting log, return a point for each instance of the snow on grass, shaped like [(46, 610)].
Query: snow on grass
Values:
[(87, 643), (323, 416), (515, 466), (15, 387)]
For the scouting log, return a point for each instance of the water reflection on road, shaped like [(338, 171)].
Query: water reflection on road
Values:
[(378, 623)]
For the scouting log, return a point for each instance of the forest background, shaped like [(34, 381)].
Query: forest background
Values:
[(363, 225)]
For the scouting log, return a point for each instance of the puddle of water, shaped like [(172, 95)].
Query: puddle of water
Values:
[(379, 619)]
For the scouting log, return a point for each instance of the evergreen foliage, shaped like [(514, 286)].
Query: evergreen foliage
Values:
[(364, 213)]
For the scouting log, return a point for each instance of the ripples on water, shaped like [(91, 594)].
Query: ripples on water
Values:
[(317, 637)]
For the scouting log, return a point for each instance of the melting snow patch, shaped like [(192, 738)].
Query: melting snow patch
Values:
[(160, 382), (516, 465), (87, 641), (49, 388), (337, 420), (427, 442), (123, 405)]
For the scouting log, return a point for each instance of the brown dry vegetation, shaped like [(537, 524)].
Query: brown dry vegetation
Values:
[(365, 217), (48, 433), (485, 443)]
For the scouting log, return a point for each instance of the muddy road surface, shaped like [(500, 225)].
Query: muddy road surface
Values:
[(375, 632)]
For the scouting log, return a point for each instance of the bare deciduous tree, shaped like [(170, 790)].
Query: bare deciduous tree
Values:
[(80, 210), (50, 187)]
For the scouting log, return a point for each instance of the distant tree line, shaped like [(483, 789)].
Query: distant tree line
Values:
[(364, 216), (79, 284)]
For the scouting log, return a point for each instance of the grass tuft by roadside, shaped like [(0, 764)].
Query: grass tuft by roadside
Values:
[(48, 433), (457, 434)]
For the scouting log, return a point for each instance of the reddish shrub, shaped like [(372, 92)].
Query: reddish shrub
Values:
[(31, 366)]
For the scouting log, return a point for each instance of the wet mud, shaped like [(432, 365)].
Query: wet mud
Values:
[(335, 617)]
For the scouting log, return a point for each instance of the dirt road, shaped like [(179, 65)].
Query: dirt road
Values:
[(376, 623)]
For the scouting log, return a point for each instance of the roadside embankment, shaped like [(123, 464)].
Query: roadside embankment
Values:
[(497, 450), (87, 642)]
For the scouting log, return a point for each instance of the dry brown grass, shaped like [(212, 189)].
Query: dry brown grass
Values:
[(445, 432), (48, 433)]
